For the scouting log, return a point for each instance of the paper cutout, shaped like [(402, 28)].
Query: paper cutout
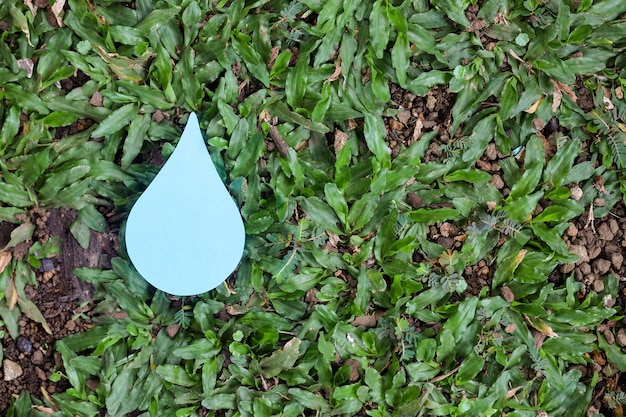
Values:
[(185, 234)]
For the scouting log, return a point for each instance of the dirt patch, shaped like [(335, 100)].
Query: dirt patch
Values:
[(418, 115), (63, 299)]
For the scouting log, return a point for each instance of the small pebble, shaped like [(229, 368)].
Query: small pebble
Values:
[(37, 358), (47, 264), (598, 285), (621, 337), (24, 345), (12, 370)]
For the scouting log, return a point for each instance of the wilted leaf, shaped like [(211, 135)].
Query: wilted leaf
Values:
[(32, 312), (282, 359), (20, 234)]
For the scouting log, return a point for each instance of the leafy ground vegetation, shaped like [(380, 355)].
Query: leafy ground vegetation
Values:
[(432, 192)]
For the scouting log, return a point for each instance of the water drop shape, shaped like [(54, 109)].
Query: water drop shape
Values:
[(185, 234)]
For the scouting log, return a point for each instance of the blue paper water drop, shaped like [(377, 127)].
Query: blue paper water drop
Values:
[(185, 234)]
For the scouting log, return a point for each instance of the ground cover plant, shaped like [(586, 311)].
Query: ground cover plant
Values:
[(432, 193)]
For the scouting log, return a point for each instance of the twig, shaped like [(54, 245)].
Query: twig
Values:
[(590, 219), (280, 143)]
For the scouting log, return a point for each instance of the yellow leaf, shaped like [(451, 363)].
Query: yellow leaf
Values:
[(534, 107), (518, 259), (541, 326)]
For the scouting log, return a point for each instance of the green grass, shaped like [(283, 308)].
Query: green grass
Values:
[(330, 235)]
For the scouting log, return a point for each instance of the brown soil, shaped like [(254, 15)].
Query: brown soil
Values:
[(63, 299)]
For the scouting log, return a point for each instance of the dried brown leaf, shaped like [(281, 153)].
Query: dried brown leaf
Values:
[(10, 293), (29, 4), (341, 138), (511, 393), (5, 258), (335, 75), (367, 321), (57, 11), (557, 96), (507, 293), (417, 130)]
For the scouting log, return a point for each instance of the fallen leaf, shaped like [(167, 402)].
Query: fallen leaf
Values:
[(273, 55), (335, 75), (29, 4), (511, 393), (341, 138), (564, 88), (417, 130), (367, 321), (557, 96), (57, 11), (125, 68), (45, 410), (5, 258), (507, 294), (333, 241), (31, 311), (10, 293), (27, 65)]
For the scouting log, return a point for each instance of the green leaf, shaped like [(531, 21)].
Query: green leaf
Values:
[(555, 68), (554, 240), (561, 164), (176, 375), (374, 132), (580, 33), (454, 9), (379, 28), (337, 201), (91, 217), (296, 83), (14, 195), (247, 159), (81, 233), (35, 166), (116, 121), (59, 118), (475, 176), (527, 183), (509, 98), (253, 60), (425, 215), (400, 57), (280, 109), (613, 353), (480, 138), (134, 140), (321, 213), (557, 213), (309, 400), (156, 19), (471, 366)]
